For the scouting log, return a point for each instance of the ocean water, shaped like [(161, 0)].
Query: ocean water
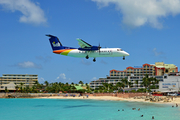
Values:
[(66, 109)]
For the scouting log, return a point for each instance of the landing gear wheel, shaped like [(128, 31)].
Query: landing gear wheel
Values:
[(94, 60), (87, 57), (123, 58)]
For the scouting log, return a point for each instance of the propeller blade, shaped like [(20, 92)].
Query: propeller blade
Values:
[(99, 47)]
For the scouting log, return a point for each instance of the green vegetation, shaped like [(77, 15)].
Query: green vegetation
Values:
[(148, 82), (53, 88)]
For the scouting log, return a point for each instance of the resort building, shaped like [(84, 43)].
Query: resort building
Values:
[(157, 69), (9, 81), (136, 81), (136, 74)]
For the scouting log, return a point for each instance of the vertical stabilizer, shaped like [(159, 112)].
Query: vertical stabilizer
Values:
[(55, 43)]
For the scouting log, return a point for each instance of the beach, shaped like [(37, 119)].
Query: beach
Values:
[(112, 98)]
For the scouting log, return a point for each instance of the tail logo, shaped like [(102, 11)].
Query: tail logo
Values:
[(56, 44)]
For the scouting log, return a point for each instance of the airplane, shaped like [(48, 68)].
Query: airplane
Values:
[(85, 50)]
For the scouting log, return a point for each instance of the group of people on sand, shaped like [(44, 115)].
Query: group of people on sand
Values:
[(72, 95)]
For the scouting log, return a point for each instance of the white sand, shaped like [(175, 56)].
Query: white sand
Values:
[(175, 100)]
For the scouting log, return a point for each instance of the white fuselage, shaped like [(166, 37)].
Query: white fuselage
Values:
[(103, 52)]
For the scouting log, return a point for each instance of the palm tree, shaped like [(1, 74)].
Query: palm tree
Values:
[(27, 89), (21, 88), (124, 81), (106, 85), (72, 83), (46, 83), (81, 82), (146, 81), (36, 82), (111, 87), (87, 87), (154, 83), (130, 84), (137, 82), (119, 85), (16, 87), (6, 90), (67, 84), (101, 88)]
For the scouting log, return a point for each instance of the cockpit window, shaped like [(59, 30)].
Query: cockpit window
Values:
[(119, 49)]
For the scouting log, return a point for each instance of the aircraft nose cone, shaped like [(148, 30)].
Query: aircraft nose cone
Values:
[(127, 54)]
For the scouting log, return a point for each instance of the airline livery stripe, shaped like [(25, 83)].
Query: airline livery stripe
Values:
[(66, 52), (63, 52)]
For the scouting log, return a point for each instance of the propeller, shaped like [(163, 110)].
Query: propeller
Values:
[(99, 47)]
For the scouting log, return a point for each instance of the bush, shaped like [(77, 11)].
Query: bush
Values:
[(81, 91), (120, 91), (133, 91), (141, 90), (110, 91), (100, 91), (105, 91), (95, 91)]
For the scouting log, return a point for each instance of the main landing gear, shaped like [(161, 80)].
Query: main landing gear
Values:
[(87, 57), (94, 60), (123, 57)]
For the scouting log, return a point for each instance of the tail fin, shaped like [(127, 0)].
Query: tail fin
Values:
[(55, 43)]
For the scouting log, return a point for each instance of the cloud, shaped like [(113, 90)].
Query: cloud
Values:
[(28, 64), (62, 78), (157, 53), (41, 80), (62, 75), (32, 13), (137, 13), (94, 78)]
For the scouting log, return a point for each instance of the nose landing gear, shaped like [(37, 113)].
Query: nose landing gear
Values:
[(123, 57)]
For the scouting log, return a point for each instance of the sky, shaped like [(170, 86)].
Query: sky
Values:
[(147, 29)]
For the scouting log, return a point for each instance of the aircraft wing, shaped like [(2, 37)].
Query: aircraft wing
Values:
[(83, 44)]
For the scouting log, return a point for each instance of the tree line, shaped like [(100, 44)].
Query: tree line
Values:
[(147, 82)]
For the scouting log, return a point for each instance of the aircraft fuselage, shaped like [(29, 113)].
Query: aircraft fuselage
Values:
[(103, 52)]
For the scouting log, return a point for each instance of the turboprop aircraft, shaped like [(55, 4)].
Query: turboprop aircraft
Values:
[(85, 50)]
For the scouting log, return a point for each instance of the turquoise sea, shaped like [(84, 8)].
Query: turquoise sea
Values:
[(66, 109)]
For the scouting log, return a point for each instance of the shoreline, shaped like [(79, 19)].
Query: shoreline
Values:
[(112, 98)]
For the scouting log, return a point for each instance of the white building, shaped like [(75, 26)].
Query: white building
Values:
[(170, 83)]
